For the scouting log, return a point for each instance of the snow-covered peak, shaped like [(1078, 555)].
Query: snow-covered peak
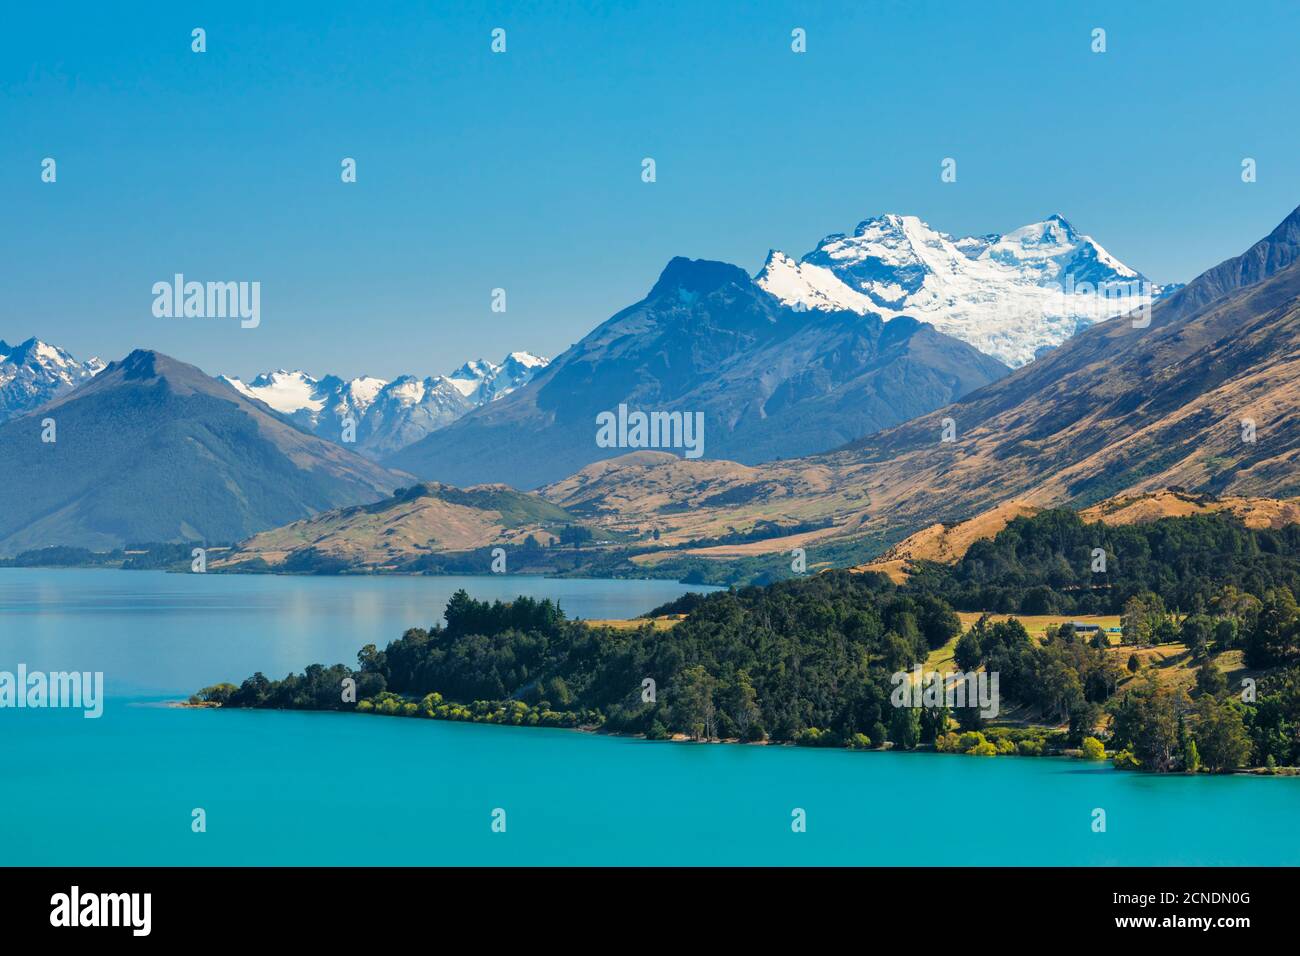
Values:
[(406, 389), (482, 381), (1051, 250), (364, 390), (1010, 295), (285, 391), (37, 354), (809, 286), (35, 372), (475, 370), (526, 360), (387, 415)]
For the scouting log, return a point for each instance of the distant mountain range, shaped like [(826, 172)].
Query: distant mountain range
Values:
[(770, 381), (152, 449), (827, 429), (1012, 296), (33, 373), (860, 358), (388, 416)]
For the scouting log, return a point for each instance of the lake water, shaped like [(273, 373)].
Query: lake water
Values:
[(346, 789)]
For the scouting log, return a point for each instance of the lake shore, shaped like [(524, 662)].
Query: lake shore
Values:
[(888, 747)]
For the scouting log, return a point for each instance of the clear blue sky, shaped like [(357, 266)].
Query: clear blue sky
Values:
[(522, 170)]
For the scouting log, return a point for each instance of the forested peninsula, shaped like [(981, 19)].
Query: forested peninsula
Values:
[(1200, 672)]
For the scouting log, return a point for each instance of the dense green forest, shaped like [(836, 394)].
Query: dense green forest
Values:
[(814, 660), (1049, 564), (750, 664)]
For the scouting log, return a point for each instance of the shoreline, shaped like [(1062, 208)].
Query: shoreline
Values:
[(679, 738)]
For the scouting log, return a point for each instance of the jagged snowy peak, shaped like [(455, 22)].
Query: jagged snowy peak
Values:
[(526, 360), (1051, 249), (287, 392), (471, 376), (387, 415), (35, 372), (407, 409), (482, 381), (360, 393), (1011, 296), (307, 399)]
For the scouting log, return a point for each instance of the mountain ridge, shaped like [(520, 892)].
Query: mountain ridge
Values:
[(153, 449), (770, 381)]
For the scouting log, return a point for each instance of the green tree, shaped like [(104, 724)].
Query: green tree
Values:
[(742, 705), (1196, 632), (1146, 722), (905, 727), (1143, 616), (693, 708), (1274, 640), (967, 653), (1221, 736), (1210, 680)]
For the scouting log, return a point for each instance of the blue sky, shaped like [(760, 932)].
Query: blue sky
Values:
[(522, 170)]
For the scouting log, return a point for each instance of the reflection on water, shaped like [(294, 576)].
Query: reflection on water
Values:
[(153, 632)]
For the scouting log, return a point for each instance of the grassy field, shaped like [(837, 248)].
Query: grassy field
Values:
[(1171, 664), (662, 623), (1037, 624)]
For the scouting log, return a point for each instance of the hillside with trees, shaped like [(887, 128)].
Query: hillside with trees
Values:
[(813, 660), (1054, 562)]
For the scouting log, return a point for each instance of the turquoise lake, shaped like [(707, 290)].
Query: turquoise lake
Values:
[(304, 788)]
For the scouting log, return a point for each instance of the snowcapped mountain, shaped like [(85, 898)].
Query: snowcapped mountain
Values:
[(482, 382), (706, 342), (407, 409), (295, 394), (1011, 296), (388, 416), (35, 372)]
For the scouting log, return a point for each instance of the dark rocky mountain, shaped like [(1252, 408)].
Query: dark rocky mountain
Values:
[(1270, 255), (771, 381), (152, 449)]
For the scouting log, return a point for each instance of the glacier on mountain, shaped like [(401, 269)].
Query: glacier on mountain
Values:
[(1011, 296)]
